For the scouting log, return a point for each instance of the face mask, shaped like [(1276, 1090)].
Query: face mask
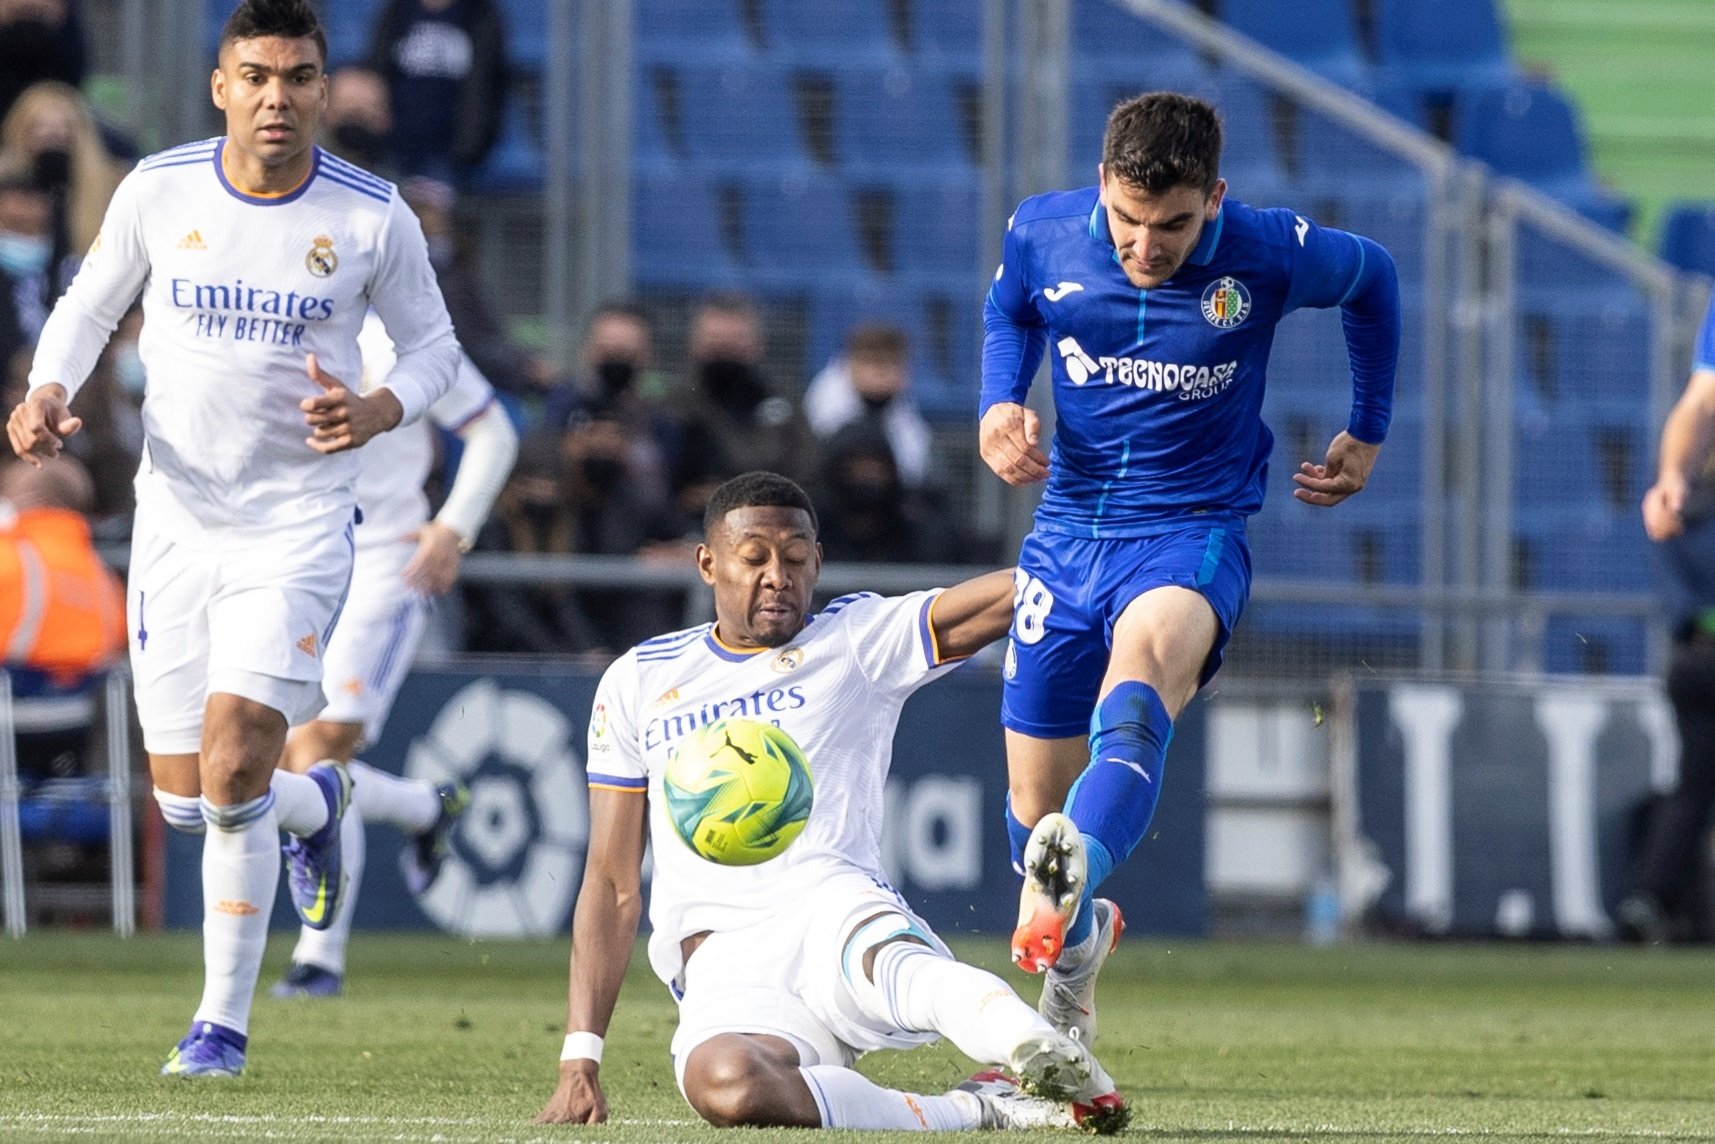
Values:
[(603, 473), (128, 370), (24, 255), (867, 497), (875, 403), (616, 376), (53, 169), (732, 383)]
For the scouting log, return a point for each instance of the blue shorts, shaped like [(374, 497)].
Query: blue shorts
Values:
[(1068, 593)]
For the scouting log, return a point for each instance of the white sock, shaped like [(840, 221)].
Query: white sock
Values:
[(183, 812), (240, 868), (924, 990), (409, 804), (300, 803), (326, 948), (848, 1099)]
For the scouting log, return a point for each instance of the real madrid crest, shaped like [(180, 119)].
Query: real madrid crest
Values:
[(322, 261), (789, 660), (1226, 303)]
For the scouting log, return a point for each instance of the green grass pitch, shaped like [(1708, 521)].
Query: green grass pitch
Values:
[(450, 1040)]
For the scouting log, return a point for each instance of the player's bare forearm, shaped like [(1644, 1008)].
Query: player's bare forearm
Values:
[(971, 615), (1344, 473)]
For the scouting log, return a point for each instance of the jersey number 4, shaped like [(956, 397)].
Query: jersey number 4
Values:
[(1031, 603)]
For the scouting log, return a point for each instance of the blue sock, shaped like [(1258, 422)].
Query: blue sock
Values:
[(1017, 834), (1114, 799)]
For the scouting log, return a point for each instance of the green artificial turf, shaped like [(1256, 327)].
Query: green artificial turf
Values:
[(444, 1039)]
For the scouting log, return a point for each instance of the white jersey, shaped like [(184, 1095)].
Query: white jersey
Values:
[(837, 689), (236, 289), (395, 465)]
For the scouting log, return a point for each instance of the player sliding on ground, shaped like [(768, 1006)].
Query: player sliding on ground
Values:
[(787, 971), (1157, 297)]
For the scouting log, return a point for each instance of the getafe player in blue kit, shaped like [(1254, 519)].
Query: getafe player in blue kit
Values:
[(1157, 297)]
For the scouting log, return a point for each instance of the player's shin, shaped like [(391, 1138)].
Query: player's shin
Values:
[(409, 804), (1017, 835), (1114, 800), (922, 989), (300, 804), (240, 870), (848, 1099)]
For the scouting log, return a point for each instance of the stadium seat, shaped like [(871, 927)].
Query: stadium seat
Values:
[(895, 124), (1531, 132), (842, 32), (517, 164), (1319, 34), (707, 32), (937, 231), (527, 32), (1586, 358), (1582, 548), (742, 119), (947, 33), (799, 231), (1595, 645), (1551, 274), (1324, 156), (686, 232), (1442, 46), (1688, 235), (1109, 42)]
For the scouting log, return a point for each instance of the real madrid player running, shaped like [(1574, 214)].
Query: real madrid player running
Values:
[(257, 256), (785, 972), (404, 560), (1157, 297)]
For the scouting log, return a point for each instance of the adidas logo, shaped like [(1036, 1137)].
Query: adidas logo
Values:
[(193, 241), (307, 645)]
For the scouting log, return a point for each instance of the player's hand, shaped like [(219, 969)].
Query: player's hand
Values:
[(578, 1099), (340, 418), (1664, 507), (40, 424), (1008, 439), (434, 567), (1346, 470)]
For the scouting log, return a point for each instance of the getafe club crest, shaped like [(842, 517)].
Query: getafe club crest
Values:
[(1226, 303), (322, 261)]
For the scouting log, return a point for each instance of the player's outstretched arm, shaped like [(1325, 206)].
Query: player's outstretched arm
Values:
[(1685, 444), (341, 418), (971, 615), (1345, 471), (40, 424), (604, 930)]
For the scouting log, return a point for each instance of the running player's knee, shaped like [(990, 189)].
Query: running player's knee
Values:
[(182, 812), (730, 1084), (237, 816)]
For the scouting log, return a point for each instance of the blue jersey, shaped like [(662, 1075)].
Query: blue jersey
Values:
[(1158, 393), (1704, 358)]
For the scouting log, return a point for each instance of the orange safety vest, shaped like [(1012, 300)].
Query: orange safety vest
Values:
[(62, 611)]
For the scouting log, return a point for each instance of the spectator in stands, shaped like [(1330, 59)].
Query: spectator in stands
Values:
[(29, 274), (618, 349), (1679, 515), (110, 444), (62, 612), (444, 62), (39, 40), (358, 124), (872, 380), (867, 512), (533, 515), (50, 137), (733, 419), (509, 367)]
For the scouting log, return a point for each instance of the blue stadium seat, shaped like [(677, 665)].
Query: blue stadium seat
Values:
[(1583, 548), (948, 33), (517, 164), (800, 230), (897, 124), (1531, 132), (1596, 645), (685, 232), (704, 32), (1586, 358), (1552, 275), (1688, 235), (741, 118), (1319, 34), (1329, 157), (1110, 42), (1442, 46), (526, 24), (844, 32), (938, 232)]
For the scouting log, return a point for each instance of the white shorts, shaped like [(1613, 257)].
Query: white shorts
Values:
[(369, 656), (788, 976), (249, 618)]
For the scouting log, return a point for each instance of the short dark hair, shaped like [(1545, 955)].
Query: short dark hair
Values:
[(1161, 140), (756, 489), (288, 19), (878, 341)]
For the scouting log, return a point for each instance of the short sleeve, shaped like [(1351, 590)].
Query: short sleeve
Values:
[(615, 759), (891, 637)]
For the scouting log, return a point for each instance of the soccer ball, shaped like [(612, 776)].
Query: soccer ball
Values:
[(738, 791)]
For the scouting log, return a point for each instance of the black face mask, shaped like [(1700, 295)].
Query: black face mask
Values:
[(53, 170), (733, 384), (603, 473), (540, 513), (616, 376), (359, 143), (867, 497), (875, 403)]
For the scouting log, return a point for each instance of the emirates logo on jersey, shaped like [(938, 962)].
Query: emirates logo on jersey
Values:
[(321, 260)]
